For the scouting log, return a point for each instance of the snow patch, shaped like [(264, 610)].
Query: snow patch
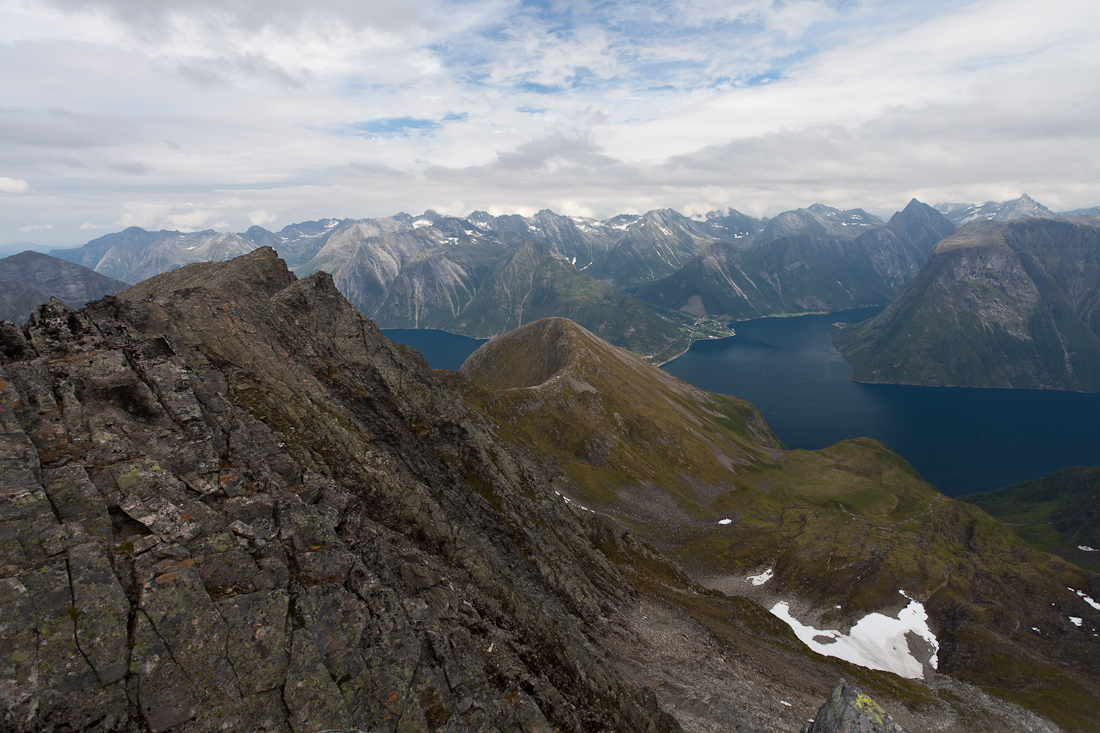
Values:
[(421, 223), (764, 577), (1085, 598), (725, 521), (1076, 620), (574, 260), (876, 641), (1086, 548)]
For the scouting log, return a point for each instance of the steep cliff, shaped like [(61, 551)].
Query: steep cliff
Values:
[(1012, 304)]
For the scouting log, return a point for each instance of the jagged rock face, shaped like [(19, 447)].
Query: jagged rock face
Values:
[(229, 503), (1014, 304), (850, 710), (29, 279)]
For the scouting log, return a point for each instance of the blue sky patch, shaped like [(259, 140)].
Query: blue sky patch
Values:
[(394, 125)]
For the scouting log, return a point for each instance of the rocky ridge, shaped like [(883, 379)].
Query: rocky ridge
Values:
[(229, 501)]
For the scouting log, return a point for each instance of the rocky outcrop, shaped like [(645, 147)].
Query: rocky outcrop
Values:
[(850, 710), (229, 503)]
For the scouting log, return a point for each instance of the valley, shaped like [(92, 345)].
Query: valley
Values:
[(552, 534)]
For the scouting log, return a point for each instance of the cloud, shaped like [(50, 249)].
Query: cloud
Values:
[(261, 217), (13, 185), (185, 217), (36, 227), (86, 226), (338, 108)]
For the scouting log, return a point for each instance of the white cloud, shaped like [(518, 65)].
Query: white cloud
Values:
[(185, 217), (231, 111), (87, 226), (36, 228), (13, 185), (261, 217)]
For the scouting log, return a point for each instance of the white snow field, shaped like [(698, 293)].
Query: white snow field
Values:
[(877, 641)]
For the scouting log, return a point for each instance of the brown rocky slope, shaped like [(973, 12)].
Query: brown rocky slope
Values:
[(230, 504)]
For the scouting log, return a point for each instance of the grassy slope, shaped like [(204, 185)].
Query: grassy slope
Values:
[(849, 525), (1056, 513)]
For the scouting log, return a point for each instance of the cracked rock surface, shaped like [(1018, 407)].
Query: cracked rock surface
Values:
[(228, 503)]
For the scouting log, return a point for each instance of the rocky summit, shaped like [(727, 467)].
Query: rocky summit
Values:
[(228, 503)]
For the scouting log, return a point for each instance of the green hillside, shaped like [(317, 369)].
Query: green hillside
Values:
[(843, 528), (1059, 513)]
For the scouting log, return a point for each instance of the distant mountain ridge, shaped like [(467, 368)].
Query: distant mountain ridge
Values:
[(424, 271), (816, 259), (29, 279), (1020, 208), (999, 304)]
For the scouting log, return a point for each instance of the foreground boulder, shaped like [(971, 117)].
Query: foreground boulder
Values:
[(850, 710)]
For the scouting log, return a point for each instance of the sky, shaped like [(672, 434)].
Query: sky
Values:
[(221, 114)]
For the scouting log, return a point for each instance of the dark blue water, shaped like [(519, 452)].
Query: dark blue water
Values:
[(961, 440), (442, 350)]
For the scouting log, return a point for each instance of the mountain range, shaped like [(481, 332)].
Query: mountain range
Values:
[(999, 304), (650, 283), (29, 279), (464, 275), (815, 259), (230, 503)]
